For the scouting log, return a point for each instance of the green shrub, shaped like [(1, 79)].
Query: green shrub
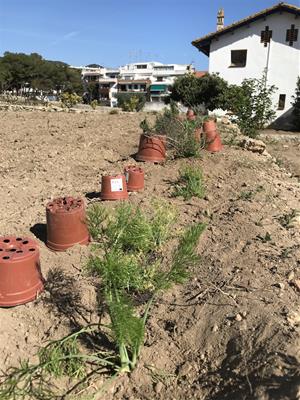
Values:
[(131, 101), (94, 104), (180, 134), (192, 91), (190, 183), (252, 104), (69, 99)]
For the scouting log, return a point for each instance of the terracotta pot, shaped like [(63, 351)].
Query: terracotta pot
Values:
[(66, 223), (190, 115), (114, 188), (135, 178), (152, 148), (209, 125), (20, 275), (213, 141)]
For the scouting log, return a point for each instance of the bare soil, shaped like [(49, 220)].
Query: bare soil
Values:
[(231, 332)]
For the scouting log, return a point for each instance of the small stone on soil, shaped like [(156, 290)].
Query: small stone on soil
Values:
[(158, 387), (238, 317)]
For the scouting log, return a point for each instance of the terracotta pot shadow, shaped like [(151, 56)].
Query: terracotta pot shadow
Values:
[(152, 148), (135, 178), (40, 232), (92, 195), (21, 280), (66, 223), (114, 187)]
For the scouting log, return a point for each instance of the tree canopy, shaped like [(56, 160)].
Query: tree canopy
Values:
[(192, 91), (18, 70)]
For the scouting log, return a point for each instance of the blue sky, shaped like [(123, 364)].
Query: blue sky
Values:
[(113, 33)]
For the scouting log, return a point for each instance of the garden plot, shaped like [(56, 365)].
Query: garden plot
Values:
[(232, 330)]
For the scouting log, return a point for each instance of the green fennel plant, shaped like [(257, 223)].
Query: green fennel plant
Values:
[(128, 257)]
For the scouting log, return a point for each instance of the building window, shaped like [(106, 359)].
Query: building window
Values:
[(238, 58), (141, 66), (159, 79), (281, 102), (135, 86), (265, 36), (164, 67), (291, 35)]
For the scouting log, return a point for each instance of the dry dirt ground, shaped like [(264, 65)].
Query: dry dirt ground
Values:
[(231, 332)]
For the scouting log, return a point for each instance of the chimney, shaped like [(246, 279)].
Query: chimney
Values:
[(220, 19)]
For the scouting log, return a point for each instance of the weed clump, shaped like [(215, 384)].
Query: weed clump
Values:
[(190, 183)]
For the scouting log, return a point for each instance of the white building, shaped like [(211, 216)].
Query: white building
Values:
[(153, 78), (268, 40), (159, 77)]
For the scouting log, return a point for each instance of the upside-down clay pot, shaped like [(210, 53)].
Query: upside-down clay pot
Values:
[(135, 178), (114, 187), (190, 115), (152, 148), (209, 125), (66, 223), (212, 138), (20, 274)]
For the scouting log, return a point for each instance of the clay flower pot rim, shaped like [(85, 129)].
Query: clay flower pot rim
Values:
[(154, 135), (74, 204)]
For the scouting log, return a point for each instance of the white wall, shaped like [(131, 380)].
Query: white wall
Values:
[(284, 60)]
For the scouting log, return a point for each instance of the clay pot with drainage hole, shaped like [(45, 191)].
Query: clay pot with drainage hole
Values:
[(135, 178), (20, 275), (152, 148), (66, 223), (113, 187)]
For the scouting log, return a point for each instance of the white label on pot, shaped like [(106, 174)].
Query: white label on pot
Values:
[(116, 185)]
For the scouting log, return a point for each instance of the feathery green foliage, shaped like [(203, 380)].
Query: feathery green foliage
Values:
[(128, 330), (130, 244), (184, 257), (190, 183), (128, 257)]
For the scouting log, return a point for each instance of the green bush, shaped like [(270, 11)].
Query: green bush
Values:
[(131, 101), (94, 104), (180, 134), (251, 102), (192, 91), (69, 99), (190, 183)]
